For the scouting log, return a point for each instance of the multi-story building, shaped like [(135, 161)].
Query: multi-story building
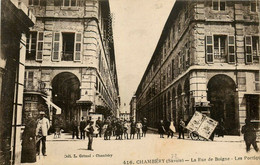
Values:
[(124, 116), (207, 56), (70, 60), (15, 22), (133, 108)]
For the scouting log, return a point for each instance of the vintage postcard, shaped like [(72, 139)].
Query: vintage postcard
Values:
[(129, 82)]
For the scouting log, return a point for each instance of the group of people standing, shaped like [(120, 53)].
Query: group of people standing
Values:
[(113, 127), (124, 128), (34, 134)]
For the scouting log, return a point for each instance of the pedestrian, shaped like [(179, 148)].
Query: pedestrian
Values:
[(132, 126), (145, 127), (249, 135), (119, 130), (167, 127), (42, 128), (221, 128), (99, 125), (82, 126), (28, 141), (181, 128), (108, 131), (161, 129), (139, 129), (126, 128), (75, 131), (90, 133), (171, 129)]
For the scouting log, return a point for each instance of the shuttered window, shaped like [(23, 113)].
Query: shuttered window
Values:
[(209, 49), (248, 49), (39, 46), (78, 45), (56, 47), (231, 49)]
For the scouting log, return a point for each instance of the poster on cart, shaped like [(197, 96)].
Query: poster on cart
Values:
[(207, 127), (202, 124), (195, 121)]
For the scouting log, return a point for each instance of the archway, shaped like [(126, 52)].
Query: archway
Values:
[(187, 109), (223, 99), (174, 112), (65, 93), (179, 102)]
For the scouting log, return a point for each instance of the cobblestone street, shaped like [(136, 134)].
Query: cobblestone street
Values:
[(149, 150)]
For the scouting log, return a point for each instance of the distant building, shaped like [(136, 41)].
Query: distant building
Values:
[(207, 57), (133, 108), (15, 22), (124, 115), (70, 60)]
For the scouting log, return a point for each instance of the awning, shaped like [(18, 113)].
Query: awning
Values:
[(58, 109)]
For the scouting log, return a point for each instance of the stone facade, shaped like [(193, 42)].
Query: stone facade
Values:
[(74, 62), (133, 108), (202, 43), (15, 22)]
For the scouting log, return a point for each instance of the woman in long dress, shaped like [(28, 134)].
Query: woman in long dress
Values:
[(28, 141)]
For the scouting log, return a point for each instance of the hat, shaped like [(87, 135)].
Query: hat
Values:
[(42, 113)]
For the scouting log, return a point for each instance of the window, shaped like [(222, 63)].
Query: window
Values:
[(77, 47), (257, 83), (255, 45), (31, 46), (219, 46), (251, 48), (34, 46), (70, 2), (209, 49), (219, 5), (216, 48), (56, 47), (37, 2), (39, 46), (248, 49), (231, 49), (67, 46), (28, 80), (253, 5)]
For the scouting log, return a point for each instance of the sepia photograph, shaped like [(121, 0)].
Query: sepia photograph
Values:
[(130, 82)]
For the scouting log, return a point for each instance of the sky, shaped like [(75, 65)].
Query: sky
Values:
[(137, 26)]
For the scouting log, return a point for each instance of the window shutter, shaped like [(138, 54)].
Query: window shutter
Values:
[(56, 46), (248, 49), (78, 45), (231, 49), (39, 49), (209, 49)]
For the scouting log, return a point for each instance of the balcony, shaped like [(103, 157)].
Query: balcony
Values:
[(67, 56), (38, 88)]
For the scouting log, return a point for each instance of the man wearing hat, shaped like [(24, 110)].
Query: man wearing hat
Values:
[(43, 126)]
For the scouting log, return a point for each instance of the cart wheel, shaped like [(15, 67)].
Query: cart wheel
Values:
[(194, 136)]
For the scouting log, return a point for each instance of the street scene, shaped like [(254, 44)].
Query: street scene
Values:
[(129, 82), (151, 147)]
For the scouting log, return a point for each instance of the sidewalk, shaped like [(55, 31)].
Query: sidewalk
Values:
[(226, 138)]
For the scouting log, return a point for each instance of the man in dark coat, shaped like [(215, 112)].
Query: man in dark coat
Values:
[(144, 128), (28, 141), (161, 129), (99, 125), (249, 135), (181, 129), (82, 126), (75, 131)]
